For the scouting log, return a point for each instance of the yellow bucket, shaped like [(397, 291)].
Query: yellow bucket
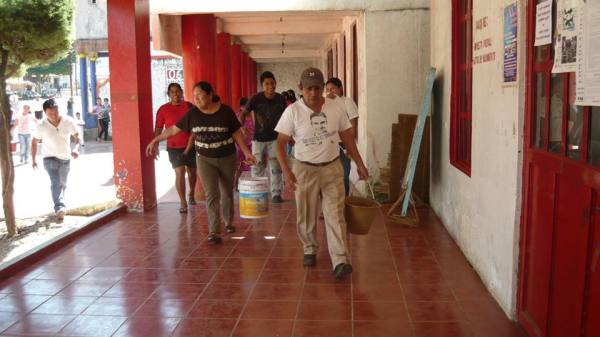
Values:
[(360, 213)]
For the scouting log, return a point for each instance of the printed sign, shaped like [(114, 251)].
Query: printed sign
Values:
[(565, 46), (510, 43), (543, 23)]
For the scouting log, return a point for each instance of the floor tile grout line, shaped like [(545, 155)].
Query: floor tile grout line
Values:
[(256, 281), (412, 325)]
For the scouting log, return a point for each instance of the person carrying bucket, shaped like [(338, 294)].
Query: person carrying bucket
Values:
[(266, 108), (215, 128), (317, 124)]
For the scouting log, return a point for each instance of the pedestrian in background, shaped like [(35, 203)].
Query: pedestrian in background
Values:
[(80, 125), (335, 91), (25, 123), (96, 110), (56, 132), (104, 119), (266, 108)]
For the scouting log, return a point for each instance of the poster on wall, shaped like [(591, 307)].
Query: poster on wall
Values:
[(565, 46), (588, 55), (510, 43), (543, 23)]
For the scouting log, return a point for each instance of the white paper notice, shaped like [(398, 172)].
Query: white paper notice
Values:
[(543, 23), (565, 47), (588, 55)]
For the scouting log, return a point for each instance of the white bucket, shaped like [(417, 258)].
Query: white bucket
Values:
[(254, 196)]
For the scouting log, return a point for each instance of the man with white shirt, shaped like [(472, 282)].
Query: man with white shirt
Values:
[(55, 131), (317, 124), (335, 91)]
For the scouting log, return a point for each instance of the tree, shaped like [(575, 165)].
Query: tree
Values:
[(41, 73), (32, 32)]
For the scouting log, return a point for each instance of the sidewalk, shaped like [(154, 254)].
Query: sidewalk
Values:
[(90, 181)]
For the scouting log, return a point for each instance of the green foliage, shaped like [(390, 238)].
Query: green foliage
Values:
[(60, 67), (34, 31)]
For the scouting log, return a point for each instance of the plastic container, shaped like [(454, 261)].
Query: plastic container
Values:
[(254, 196)]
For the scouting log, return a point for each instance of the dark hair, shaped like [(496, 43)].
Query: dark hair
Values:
[(174, 84), (291, 95), (265, 75), (285, 95), (243, 101), (335, 81), (208, 89)]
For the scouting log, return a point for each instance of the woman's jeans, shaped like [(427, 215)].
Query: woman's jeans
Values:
[(104, 123)]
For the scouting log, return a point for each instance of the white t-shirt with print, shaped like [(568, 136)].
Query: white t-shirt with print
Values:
[(316, 133), (56, 140)]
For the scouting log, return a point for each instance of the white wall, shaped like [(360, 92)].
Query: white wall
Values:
[(287, 74), (482, 211), (393, 63), (90, 20)]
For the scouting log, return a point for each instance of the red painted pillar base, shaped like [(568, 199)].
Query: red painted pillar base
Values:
[(131, 94)]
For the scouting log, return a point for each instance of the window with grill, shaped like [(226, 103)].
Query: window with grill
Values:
[(460, 114)]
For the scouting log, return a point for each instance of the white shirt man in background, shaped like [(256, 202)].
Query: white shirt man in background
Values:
[(56, 131)]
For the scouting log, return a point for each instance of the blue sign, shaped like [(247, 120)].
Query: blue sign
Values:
[(510, 43), (411, 165)]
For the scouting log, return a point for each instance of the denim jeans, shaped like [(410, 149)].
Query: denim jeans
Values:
[(346, 165), (104, 123), (258, 170), (58, 170), (24, 141)]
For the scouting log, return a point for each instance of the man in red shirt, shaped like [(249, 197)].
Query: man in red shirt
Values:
[(180, 147)]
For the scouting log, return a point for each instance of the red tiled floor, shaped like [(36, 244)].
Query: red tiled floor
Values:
[(154, 275)]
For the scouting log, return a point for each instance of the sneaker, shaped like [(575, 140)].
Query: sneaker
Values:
[(230, 229), (310, 260), (60, 214), (277, 199), (341, 270), (214, 239)]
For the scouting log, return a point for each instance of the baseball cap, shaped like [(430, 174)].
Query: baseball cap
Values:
[(49, 103), (312, 77)]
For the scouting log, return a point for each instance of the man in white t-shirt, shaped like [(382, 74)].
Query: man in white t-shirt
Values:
[(317, 124), (55, 131), (335, 91)]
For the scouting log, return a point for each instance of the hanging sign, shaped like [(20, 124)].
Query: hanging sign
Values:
[(543, 23)]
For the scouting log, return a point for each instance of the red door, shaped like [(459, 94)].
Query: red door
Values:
[(559, 275)]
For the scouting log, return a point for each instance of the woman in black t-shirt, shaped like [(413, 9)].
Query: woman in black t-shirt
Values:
[(216, 129)]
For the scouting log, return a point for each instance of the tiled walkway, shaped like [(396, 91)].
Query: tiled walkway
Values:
[(153, 275)]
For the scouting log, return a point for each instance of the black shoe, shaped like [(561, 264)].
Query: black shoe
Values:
[(214, 239), (277, 199), (310, 260), (230, 229), (342, 270)]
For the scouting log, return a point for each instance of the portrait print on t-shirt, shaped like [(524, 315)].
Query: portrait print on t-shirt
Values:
[(318, 122)]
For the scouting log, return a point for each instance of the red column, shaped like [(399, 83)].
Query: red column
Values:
[(244, 74), (198, 42), (131, 94), (236, 72), (223, 85), (252, 77)]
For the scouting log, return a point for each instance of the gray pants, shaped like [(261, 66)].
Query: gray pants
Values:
[(217, 176)]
